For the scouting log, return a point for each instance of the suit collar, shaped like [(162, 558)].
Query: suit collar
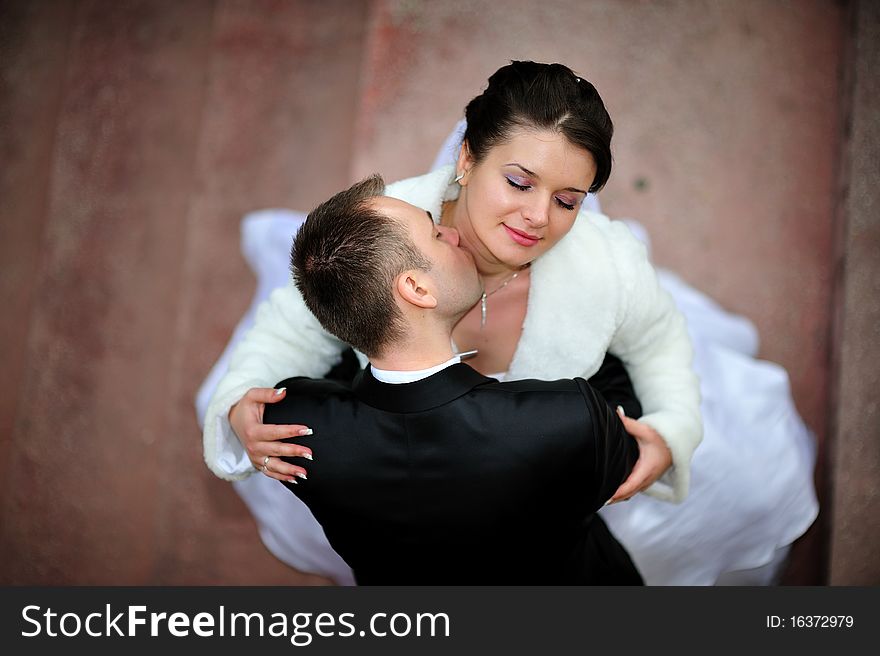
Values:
[(441, 388)]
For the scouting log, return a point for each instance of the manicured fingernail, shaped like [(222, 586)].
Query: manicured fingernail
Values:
[(607, 502), (280, 391), (306, 431), (621, 411), (302, 476), (293, 480), (307, 456)]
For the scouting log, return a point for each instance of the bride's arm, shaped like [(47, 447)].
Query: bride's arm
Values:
[(286, 340), (653, 342)]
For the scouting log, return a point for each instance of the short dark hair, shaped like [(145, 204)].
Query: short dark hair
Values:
[(344, 261), (525, 94)]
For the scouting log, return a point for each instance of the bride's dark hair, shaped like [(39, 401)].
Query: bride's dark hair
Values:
[(526, 94)]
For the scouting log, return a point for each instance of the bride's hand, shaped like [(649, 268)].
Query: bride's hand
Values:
[(261, 441), (654, 459)]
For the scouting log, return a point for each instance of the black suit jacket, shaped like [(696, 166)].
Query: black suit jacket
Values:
[(460, 479)]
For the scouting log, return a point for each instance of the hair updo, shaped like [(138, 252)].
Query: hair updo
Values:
[(529, 95)]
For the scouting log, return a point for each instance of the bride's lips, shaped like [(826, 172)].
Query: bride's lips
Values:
[(520, 237)]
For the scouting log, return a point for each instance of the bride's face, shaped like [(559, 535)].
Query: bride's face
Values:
[(523, 197)]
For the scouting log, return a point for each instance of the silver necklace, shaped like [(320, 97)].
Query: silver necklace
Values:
[(485, 296)]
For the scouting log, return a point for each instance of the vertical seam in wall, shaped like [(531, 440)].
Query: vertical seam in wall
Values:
[(825, 478)]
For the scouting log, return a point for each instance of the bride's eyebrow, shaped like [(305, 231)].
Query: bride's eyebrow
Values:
[(538, 177), (523, 169)]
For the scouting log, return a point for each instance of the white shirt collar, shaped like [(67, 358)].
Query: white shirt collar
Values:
[(400, 377)]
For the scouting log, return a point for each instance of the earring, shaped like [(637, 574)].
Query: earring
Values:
[(458, 177)]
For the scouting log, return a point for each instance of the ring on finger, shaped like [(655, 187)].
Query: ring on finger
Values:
[(266, 461)]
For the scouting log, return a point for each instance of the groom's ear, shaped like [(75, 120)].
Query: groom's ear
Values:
[(413, 288)]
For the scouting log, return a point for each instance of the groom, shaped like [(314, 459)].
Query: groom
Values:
[(429, 472)]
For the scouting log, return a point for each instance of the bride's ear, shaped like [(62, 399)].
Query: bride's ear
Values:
[(412, 287), (464, 164)]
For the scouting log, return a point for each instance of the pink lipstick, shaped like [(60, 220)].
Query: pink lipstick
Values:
[(520, 237)]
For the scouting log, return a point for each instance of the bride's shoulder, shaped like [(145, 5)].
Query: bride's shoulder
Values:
[(426, 191), (615, 235), (598, 249), (593, 232)]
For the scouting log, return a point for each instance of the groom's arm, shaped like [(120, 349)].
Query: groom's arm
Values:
[(616, 450), (613, 382)]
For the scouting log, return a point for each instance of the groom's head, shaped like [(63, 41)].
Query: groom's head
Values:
[(367, 265)]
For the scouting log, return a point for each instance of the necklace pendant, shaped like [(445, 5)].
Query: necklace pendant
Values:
[(483, 310)]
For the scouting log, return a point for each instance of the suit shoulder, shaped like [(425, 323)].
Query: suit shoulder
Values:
[(559, 407), (533, 386), (302, 386), (573, 392), (304, 396)]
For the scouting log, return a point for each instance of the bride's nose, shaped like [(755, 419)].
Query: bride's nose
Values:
[(537, 213), (449, 234)]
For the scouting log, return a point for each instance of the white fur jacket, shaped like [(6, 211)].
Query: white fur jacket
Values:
[(595, 291)]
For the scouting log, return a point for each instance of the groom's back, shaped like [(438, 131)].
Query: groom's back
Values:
[(497, 485)]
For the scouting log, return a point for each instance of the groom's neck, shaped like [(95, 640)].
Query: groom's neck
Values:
[(416, 350)]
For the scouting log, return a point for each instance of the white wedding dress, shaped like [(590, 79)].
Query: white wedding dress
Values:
[(751, 491)]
